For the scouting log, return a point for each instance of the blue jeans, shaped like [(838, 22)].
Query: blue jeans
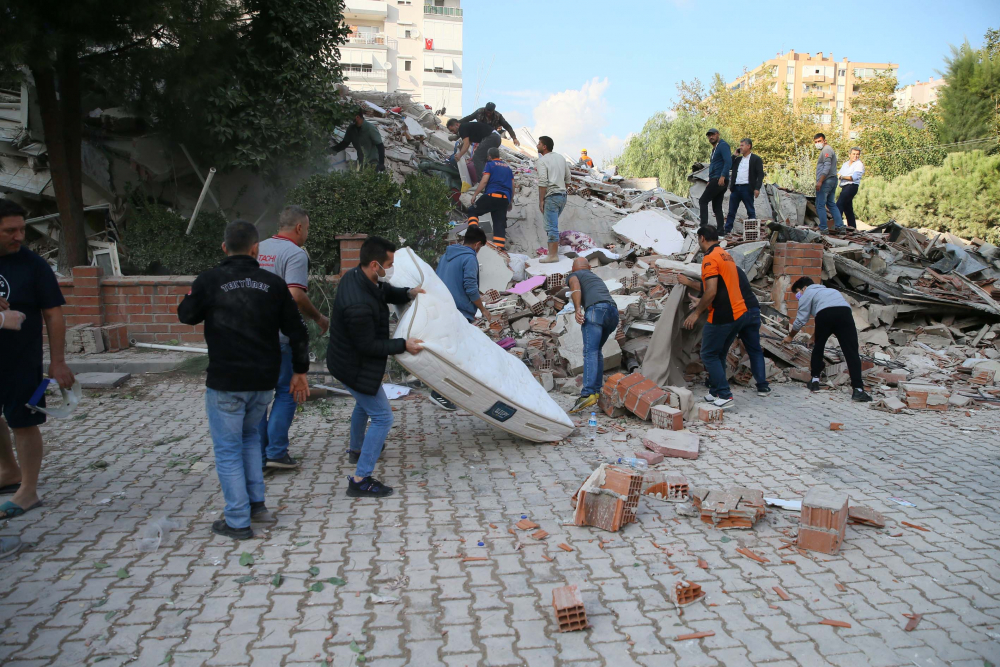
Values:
[(369, 442), (740, 193), (749, 335), (600, 321), (233, 417), (274, 428), (554, 205), (825, 197), (716, 340)]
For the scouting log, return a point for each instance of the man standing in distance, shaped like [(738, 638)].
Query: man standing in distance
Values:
[(358, 351), (850, 180), (553, 177), (718, 170), (29, 294), (747, 179), (826, 184), (282, 255)]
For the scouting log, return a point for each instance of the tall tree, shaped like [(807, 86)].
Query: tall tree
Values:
[(970, 103), (666, 147)]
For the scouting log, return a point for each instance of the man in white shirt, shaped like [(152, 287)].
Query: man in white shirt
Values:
[(745, 182), (553, 177), (850, 178)]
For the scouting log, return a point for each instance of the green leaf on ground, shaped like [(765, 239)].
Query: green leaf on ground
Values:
[(167, 659), (101, 602), (244, 579), (101, 566), (301, 544), (314, 570), (277, 580), (246, 559), (108, 616), (122, 573), (361, 657), (726, 539), (354, 647), (337, 581), (316, 588)]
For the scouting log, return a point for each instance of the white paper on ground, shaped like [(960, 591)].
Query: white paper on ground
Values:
[(394, 391), (790, 505)]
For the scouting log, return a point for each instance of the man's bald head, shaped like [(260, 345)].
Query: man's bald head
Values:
[(581, 264)]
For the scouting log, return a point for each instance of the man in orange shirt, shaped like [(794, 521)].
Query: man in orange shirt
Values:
[(727, 314)]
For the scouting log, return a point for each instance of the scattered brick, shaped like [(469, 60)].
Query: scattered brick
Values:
[(526, 524), (565, 547), (914, 526), (568, 605), (736, 507), (683, 593), (710, 414), (781, 593), (866, 516), (836, 426), (702, 563), (680, 444), (695, 635), (548, 558), (609, 498), (836, 624), (914, 621), (651, 458), (823, 520), (668, 418), (539, 534), (473, 558), (841, 588), (752, 556)]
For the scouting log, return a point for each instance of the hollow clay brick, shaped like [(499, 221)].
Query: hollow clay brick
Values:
[(568, 606), (667, 417), (823, 520), (710, 414)]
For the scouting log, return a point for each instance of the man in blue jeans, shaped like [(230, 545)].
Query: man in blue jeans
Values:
[(553, 177), (597, 314), (826, 184), (243, 308), (745, 182)]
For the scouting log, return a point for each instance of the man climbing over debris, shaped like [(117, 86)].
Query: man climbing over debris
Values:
[(244, 308), (833, 317), (459, 271), (719, 167), (357, 354), (482, 134), (283, 255), (29, 296), (597, 315), (366, 140), (553, 177), (497, 185), (489, 115), (584, 160)]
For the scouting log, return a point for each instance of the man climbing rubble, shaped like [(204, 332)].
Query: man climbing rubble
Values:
[(482, 134), (366, 140), (553, 177), (597, 315), (497, 186), (489, 115)]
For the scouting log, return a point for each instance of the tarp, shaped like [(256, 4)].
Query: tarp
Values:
[(671, 347)]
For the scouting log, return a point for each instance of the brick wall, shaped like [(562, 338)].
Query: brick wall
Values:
[(350, 250), (796, 260)]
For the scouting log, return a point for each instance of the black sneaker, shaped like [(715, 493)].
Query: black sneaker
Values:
[(861, 396), (369, 487), (286, 462), (443, 402), (764, 393), (220, 527), (813, 385), (353, 456), (259, 513)]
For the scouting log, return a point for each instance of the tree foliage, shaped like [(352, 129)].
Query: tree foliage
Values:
[(666, 148), (157, 244), (961, 196), (970, 103)]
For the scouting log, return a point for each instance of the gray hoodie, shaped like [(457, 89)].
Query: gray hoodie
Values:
[(814, 299)]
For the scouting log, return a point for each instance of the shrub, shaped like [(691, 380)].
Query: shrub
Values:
[(157, 244)]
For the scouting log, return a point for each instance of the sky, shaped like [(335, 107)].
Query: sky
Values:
[(589, 73)]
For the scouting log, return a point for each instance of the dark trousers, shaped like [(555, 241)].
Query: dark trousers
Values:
[(740, 193), (497, 208), (845, 202), (839, 322), (749, 335), (479, 156), (713, 193)]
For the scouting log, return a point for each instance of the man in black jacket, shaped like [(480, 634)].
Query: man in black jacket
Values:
[(746, 182), (243, 307), (489, 114), (359, 348)]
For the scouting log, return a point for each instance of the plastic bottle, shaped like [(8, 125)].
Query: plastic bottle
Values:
[(593, 425), (638, 464)]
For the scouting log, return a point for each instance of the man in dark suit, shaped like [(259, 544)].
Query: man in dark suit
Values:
[(745, 182), (718, 172)]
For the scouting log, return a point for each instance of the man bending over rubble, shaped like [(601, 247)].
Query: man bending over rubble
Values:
[(366, 141), (597, 314), (833, 317)]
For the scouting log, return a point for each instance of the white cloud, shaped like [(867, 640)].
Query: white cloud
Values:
[(575, 120)]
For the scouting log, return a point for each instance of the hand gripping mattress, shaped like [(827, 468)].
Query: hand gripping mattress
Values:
[(462, 364)]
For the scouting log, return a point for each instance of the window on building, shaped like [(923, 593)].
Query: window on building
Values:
[(439, 3), (408, 34), (842, 73), (790, 73), (840, 88), (825, 118), (407, 65)]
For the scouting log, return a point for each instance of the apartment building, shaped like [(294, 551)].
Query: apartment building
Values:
[(919, 94), (408, 46), (830, 82)]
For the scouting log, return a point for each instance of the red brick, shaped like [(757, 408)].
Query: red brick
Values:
[(823, 520), (667, 417), (652, 458), (635, 392), (626, 383), (710, 413), (650, 399), (87, 271)]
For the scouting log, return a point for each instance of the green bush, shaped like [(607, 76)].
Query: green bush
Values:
[(414, 213), (156, 243), (962, 196)]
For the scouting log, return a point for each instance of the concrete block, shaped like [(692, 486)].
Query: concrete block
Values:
[(823, 520), (102, 380), (667, 417), (680, 444), (652, 458)]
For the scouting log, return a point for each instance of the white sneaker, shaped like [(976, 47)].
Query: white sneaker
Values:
[(711, 399), (723, 403)]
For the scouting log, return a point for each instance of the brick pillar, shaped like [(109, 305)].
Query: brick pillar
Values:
[(793, 261), (85, 305), (350, 250)]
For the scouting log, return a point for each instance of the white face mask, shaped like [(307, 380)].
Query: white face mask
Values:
[(388, 274)]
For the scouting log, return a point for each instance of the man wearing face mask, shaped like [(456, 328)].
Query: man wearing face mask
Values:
[(357, 354), (833, 317), (826, 184)]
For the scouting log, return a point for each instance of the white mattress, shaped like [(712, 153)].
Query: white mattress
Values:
[(461, 363)]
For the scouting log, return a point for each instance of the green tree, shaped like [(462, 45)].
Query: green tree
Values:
[(970, 103), (666, 148)]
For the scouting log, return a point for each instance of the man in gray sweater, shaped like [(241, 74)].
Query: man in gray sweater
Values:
[(826, 184)]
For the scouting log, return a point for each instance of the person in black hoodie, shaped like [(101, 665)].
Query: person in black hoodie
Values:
[(359, 348), (243, 307)]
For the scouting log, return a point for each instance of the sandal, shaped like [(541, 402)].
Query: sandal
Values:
[(9, 509)]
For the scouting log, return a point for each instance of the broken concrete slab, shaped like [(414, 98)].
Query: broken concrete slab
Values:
[(680, 444), (651, 229), (102, 380), (571, 348), (494, 272)]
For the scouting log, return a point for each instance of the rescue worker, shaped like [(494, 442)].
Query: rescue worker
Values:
[(489, 115), (584, 160), (497, 186)]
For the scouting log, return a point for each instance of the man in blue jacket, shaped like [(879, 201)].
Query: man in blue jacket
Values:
[(718, 171), (459, 271)]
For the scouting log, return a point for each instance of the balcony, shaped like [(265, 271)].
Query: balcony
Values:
[(365, 9), (443, 11), (369, 75), (816, 78), (378, 39)]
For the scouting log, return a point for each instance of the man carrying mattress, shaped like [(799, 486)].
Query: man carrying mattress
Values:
[(597, 314), (359, 347)]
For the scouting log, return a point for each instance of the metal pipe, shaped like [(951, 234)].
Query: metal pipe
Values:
[(174, 348), (197, 172), (201, 199)]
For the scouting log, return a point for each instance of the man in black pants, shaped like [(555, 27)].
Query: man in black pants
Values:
[(833, 317), (497, 186), (718, 171), (850, 180)]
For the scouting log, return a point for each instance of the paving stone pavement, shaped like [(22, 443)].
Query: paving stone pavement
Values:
[(84, 594)]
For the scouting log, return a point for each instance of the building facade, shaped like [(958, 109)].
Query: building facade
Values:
[(833, 84), (407, 46), (919, 94)]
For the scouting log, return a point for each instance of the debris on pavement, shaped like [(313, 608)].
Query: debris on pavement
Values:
[(568, 605), (735, 507), (823, 521), (683, 593)]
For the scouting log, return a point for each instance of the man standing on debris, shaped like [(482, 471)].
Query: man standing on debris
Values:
[(29, 296), (498, 198), (489, 115), (826, 184), (833, 317), (553, 178), (244, 308), (357, 354), (282, 255), (597, 315), (746, 180), (719, 167), (366, 140), (470, 133), (585, 161), (727, 314), (850, 179)]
